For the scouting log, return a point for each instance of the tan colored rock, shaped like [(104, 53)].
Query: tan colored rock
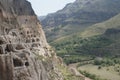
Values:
[(24, 51)]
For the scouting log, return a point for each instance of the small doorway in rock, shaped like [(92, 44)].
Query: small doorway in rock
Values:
[(17, 62)]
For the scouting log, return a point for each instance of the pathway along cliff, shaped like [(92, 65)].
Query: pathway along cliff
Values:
[(24, 52)]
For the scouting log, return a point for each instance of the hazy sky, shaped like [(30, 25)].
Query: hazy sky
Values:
[(43, 7)]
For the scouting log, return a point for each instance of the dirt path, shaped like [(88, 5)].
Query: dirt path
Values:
[(73, 68)]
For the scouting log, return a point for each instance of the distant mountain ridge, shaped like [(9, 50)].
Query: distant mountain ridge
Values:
[(41, 18), (85, 7), (79, 14)]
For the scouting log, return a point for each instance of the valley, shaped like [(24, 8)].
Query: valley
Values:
[(84, 41), (103, 44), (86, 34)]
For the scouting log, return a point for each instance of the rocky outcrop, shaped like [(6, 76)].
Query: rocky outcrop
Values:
[(83, 12), (77, 16), (24, 52)]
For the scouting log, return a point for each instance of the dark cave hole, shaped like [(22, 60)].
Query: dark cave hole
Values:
[(26, 63), (17, 63), (9, 48), (33, 40), (1, 50)]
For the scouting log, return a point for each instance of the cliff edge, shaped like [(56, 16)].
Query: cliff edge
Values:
[(24, 52)]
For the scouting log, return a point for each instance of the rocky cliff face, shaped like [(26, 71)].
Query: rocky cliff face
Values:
[(83, 12), (77, 16), (24, 52)]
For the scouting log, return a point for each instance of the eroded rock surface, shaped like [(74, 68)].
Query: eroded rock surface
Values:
[(24, 52)]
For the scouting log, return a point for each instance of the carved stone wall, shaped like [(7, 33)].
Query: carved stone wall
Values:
[(24, 52)]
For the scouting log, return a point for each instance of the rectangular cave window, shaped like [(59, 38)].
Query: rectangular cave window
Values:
[(1, 50), (1, 13), (9, 48), (17, 63)]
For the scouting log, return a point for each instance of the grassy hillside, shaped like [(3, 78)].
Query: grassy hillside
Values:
[(106, 73), (100, 28), (100, 40)]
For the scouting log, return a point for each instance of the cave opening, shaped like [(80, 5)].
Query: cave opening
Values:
[(17, 62), (1, 50), (26, 63)]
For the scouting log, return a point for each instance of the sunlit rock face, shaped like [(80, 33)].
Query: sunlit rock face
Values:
[(24, 52)]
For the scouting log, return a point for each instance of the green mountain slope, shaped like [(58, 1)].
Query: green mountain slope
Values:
[(100, 28), (77, 16), (102, 39)]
